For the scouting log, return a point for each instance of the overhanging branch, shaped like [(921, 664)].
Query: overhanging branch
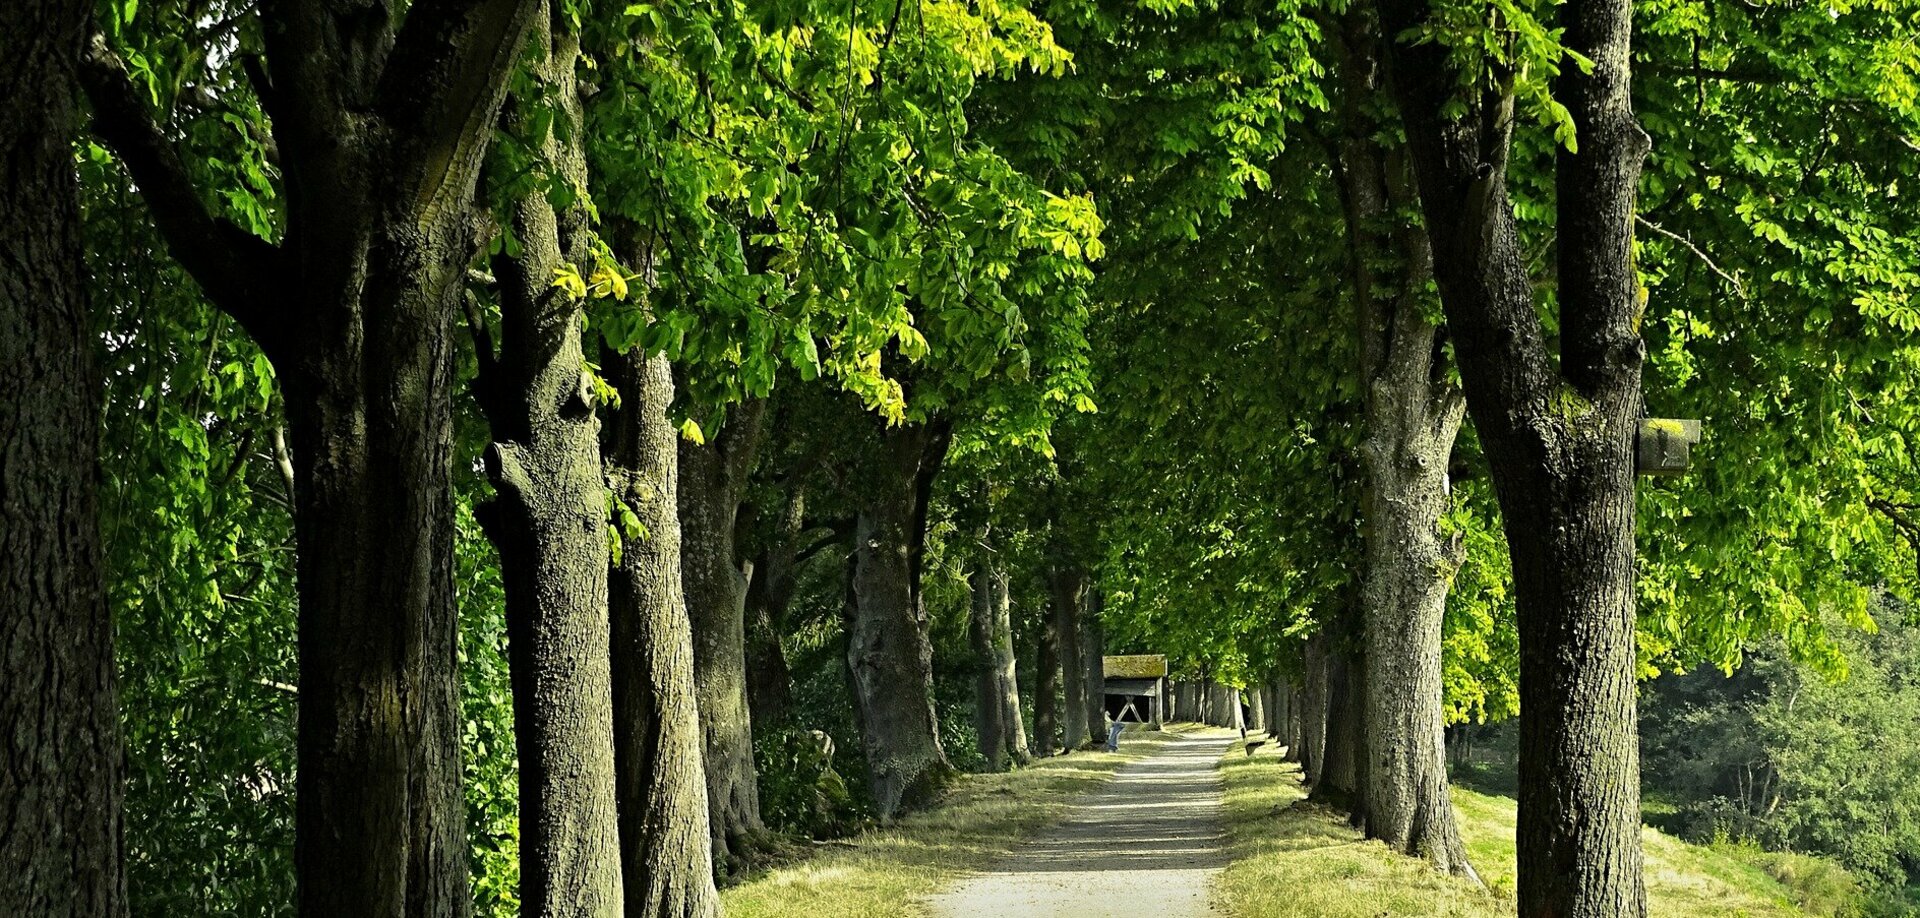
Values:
[(229, 263)]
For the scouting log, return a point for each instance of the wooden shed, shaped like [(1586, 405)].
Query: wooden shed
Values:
[(1136, 687)]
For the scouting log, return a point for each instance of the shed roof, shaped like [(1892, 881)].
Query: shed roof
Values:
[(1137, 666)]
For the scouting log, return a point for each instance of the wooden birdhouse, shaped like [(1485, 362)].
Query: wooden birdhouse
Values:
[(1664, 446)]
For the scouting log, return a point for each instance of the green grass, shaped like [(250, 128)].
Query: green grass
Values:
[(888, 872), (1291, 858)]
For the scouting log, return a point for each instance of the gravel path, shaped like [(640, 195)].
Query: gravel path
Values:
[(1146, 844)]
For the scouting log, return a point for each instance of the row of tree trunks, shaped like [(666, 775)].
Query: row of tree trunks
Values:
[(61, 784), (889, 656), (548, 521), (666, 852), (1204, 701), (713, 478), (1558, 430)]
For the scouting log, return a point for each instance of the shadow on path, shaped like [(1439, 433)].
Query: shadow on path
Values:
[(1145, 844)]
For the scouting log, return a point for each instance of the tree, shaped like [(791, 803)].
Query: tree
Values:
[(380, 123), (61, 849), (1559, 438), (548, 517)]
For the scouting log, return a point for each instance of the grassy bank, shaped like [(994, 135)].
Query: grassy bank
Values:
[(1296, 859), (885, 873)]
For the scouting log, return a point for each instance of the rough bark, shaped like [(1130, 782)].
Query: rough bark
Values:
[(548, 520), (1069, 591), (1412, 415), (713, 477), (1046, 689), (1313, 710), (988, 711), (888, 651), (666, 854), (1558, 439), (381, 123), (62, 772)]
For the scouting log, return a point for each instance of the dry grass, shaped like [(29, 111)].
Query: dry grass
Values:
[(1295, 859), (888, 872)]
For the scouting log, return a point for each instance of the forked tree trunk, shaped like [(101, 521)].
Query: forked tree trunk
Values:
[(1558, 438), (988, 711), (713, 477), (1012, 723), (888, 651), (666, 851), (1412, 414), (1069, 591), (548, 519), (381, 124), (61, 781), (1046, 689)]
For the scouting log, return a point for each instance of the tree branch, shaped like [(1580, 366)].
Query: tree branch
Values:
[(230, 264), (1739, 289)]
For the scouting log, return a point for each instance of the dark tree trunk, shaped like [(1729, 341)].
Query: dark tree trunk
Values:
[(1412, 414), (1046, 689), (988, 711), (1256, 709), (1069, 591), (1558, 439), (548, 519), (61, 781), (666, 854), (888, 650), (713, 477), (1313, 710), (381, 124), (769, 592), (1093, 647)]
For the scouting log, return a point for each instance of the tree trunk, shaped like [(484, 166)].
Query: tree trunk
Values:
[(888, 650), (61, 784), (713, 477), (1046, 689), (1012, 723), (1069, 590), (1558, 437), (1256, 709), (988, 710), (548, 519), (1093, 645), (666, 853), (769, 592), (1412, 414), (381, 124), (1313, 710)]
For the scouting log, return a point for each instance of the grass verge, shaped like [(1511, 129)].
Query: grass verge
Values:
[(889, 872), (1292, 858)]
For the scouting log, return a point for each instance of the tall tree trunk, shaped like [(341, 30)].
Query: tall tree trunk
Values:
[(1012, 723), (1313, 710), (769, 592), (1558, 438), (1046, 688), (381, 123), (888, 649), (1093, 644), (548, 519), (62, 781), (713, 477), (666, 853), (1256, 696), (988, 710), (1412, 414), (1069, 591)]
